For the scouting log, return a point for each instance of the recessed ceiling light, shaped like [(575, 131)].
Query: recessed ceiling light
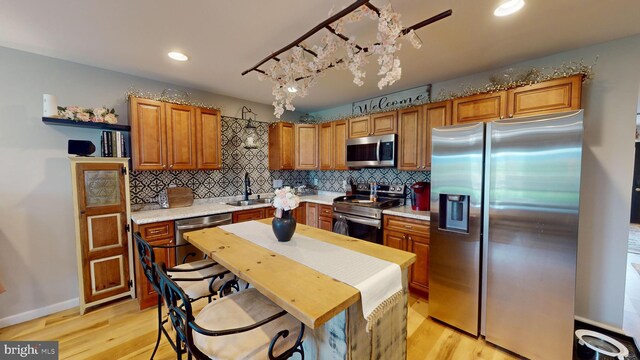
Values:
[(176, 55), (508, 7), (292, 89)]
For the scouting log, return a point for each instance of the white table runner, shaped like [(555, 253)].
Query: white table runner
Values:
[(379, 281)]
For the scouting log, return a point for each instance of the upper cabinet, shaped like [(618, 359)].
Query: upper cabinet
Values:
[(374, 124), (333, 145), (306, 151), (181, 137), (480, 107), (208, 139), (168, 136), (538, 99), (545, 97), (148, 134), (414, 129), (281, 146)]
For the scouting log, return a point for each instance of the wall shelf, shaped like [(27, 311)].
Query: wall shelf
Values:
[(82, 124)]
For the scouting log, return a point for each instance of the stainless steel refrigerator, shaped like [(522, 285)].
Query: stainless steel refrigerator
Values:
[(504, 231)]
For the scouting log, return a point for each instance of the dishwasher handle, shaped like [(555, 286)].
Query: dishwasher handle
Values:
[(203, 226)]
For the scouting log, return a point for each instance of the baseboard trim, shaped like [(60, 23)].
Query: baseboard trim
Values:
[(600, 325), (40, 312)]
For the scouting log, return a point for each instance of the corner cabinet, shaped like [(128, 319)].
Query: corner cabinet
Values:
[(281, 146), (167, 136), (103, 240), (413, 236)]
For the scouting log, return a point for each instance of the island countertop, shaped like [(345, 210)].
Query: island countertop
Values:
[(312, 297)]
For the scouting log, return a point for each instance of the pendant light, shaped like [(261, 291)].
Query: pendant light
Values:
[(250, 135)]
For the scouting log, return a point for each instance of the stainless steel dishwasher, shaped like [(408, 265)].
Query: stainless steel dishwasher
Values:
[(197, 223)]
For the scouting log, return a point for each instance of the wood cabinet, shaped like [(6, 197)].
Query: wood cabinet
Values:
[(300, 213), (281, 146), (480, 107), (410, 122), (248, 215), (168, 136), (208, 139), (325, 217), (103, 241), (435, 115), (160, 233), (545, 97), (148, 134), (413, 236), (374, 124), (306, 148), (333, 145), (414, 133), (181, 137), (312, 214)]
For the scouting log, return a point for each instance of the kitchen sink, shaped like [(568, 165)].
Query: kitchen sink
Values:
[(250, 202)]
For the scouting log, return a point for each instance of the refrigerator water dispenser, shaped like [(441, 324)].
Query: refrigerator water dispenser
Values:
[(455, 209)]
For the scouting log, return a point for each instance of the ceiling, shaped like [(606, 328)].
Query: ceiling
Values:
[(223, 38)]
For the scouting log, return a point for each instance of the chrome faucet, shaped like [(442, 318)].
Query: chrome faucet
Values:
[(247, 186)]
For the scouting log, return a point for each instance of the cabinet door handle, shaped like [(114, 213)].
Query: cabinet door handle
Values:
[(164, 166), (417, 166), (171, 166)]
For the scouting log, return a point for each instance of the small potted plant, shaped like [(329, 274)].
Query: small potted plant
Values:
[(284, 223)]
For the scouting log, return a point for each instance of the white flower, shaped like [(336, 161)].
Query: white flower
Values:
[(111, 119)]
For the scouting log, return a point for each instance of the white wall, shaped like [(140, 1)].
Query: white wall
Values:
[(610, 101), (37, 245)]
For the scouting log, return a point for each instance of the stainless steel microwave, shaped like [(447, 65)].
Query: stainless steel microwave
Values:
[(372, 151)]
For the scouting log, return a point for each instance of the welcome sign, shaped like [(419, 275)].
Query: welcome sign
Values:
[(401, 98)]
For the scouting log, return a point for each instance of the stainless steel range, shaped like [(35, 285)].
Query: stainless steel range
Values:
[(364, 216)]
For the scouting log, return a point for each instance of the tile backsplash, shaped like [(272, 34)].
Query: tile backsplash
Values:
[(332, 180), (145, 185)]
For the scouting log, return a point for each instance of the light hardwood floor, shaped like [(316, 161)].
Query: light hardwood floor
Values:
[(121, 331)]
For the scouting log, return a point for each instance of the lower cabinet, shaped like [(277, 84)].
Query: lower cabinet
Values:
[(160, 233), (312, 214), (300, 213), (413, 236), (319, 216), (252, 214), (325, 217)]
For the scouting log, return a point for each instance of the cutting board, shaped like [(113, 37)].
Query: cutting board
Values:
[(179, 197)]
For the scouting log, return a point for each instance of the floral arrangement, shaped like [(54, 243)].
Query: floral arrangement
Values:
[(298, 72), (77, 113), (285, 200)]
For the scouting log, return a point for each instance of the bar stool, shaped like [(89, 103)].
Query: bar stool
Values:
[(199, 279), (248, 325)]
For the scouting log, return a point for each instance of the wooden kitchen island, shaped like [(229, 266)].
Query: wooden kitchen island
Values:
[(331, 310)]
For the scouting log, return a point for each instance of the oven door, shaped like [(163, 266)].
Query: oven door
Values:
[(361, 228), (372, 151)]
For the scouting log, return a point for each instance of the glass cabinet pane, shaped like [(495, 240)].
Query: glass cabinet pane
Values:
[(102, 187)]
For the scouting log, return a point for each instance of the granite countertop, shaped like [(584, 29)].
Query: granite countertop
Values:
[(405, 211), (202, 207)]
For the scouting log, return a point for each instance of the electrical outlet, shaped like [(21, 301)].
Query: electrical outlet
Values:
[(315, 182)]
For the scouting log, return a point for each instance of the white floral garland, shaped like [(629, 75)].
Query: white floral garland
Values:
[(296, 71)]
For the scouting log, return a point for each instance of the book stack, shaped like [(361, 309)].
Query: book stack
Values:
[(113, 144)]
